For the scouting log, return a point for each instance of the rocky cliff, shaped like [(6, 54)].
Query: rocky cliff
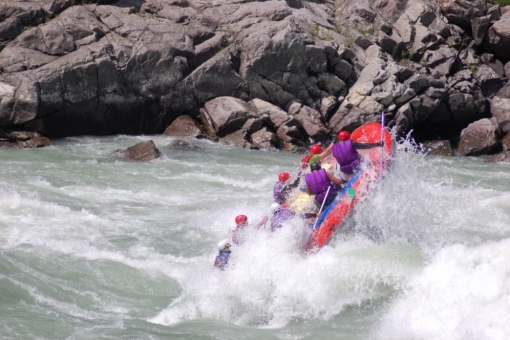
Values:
[(258, 74)]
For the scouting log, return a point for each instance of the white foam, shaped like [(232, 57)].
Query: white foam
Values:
[(464, 293)]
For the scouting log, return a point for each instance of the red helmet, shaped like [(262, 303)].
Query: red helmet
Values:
[(316, 149), (344, 135), (241, 219), (284, 176)]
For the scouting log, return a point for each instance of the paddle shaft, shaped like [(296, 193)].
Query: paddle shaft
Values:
[(322, 206), (382, 147)]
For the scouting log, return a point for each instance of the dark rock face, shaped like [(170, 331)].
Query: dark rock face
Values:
[(143, 151), (256, 74)]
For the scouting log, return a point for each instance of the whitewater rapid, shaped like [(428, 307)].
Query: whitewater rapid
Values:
[(96, 246)]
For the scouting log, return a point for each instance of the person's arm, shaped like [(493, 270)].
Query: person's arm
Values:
[(327, 152), (263, 221), (357, 145), (295, 183), (334, 179)]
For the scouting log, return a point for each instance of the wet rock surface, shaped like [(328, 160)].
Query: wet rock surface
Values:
[(255, 74)]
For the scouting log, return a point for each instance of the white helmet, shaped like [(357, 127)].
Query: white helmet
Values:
[(275, 207), (223, 244)]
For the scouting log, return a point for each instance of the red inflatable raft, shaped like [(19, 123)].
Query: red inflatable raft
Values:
[(375, 162)]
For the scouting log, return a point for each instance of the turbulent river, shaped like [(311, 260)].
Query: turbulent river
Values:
[(94, 246)]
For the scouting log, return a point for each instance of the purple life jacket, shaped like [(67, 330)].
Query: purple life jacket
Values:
[(346, 156), (277, 193), (279, 217), (318, 182)]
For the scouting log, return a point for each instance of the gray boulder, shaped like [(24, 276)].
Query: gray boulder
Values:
[(264, 139), (438, 148), (179, 144), (310, 119), (227, 115), (505, 142), (500, 110), (479, 138), (500, 157), (184, 126), (143, 151), (460, 12), (22, 139), (498, 38)]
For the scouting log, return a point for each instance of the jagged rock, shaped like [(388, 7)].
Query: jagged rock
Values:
[(17, 59), (505, 142), (438, 148), (500, 157), (206, 50), (179, 144), (489, 60), (498, 38), (143, 151), (276, 115), (184, 126), (98, 69), (500, 109), (461, 81), (295, 3), (479, 138), (228, 114), (207, 125), (494, 12), (363, 42), (479, 27), (264, 139), (507, 69), (427, 18), (310, 120), (460, 12), (489, 81), (331, 84), (389, 91), (440, 59), (469, 58), (23, 140), (279, 73), (391, 45), (237, 138), (463, 109), (292, 136), (329, 105), (341, 68), (404, 119)]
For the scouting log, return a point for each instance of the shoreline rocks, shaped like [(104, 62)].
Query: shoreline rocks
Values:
[(263, 75)]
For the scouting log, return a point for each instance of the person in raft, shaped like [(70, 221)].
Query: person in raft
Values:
[(280, 215), (241, 223), (221, 261), (282, 188), (312, 157), (345, 152), (322, 184)]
